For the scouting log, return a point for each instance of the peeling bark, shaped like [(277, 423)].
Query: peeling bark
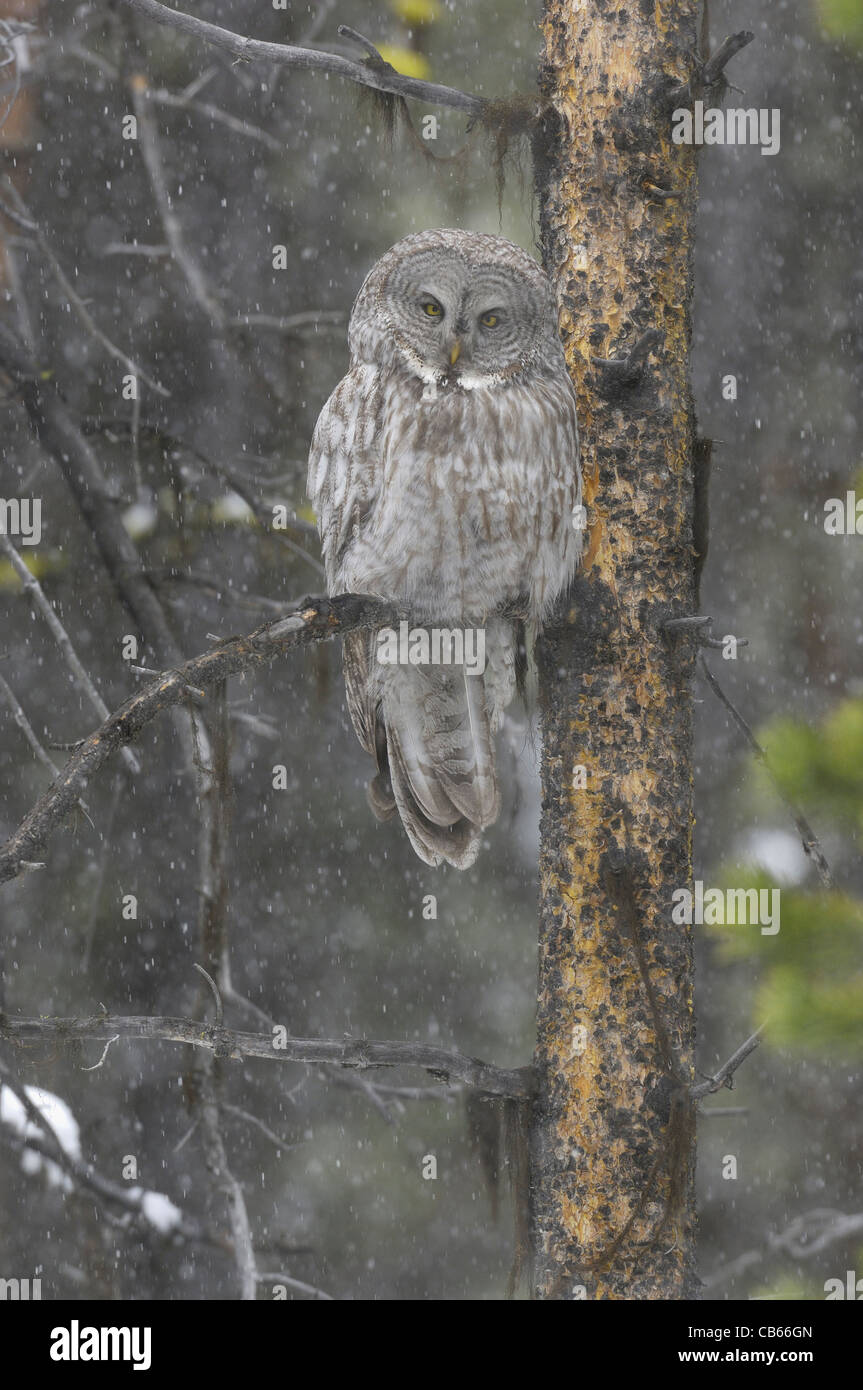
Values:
[(612, 1147)]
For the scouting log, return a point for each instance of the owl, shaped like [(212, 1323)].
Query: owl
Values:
[(445, 477)]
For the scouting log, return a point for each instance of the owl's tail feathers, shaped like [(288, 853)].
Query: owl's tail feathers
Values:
[(380, 789), (436, 761), (358, 662)]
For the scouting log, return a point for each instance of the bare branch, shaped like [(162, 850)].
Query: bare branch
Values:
[(723, 1076), (22, 314), (333, 319), (446, 1093), (135, 248), (24, 218), (33, 588), (359, 1053), (211, 584), (183, 102), (27, 728), (626, 370), (814, 1231), (213, 804), (10, 30), (264, 516), (712, 72), (807, 1235), (222, 1177), (354, 1082), (298, 1284), (324, 10), (700, 628), (214, 991), (214, 800), (80, 468), (86, 481), (105, 1050), (49, 1146), (376, 74), (314, 620), (131, 1202), (236, 480), (148, 138), (275, 1139), (728, 49), (808, 838)]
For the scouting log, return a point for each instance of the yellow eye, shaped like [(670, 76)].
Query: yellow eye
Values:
[(432, 308), (489, 320)]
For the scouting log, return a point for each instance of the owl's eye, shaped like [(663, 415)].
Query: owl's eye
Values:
[(432, 308), (491, 319)]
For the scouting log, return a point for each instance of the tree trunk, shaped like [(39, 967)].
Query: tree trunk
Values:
[(612, 1144)]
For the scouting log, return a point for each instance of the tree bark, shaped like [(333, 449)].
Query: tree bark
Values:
[(612, 1140)]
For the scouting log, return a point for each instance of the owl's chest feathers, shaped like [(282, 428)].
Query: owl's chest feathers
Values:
[(452, 531), (448, 443)]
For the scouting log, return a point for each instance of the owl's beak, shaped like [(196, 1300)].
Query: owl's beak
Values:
[(455, 351)]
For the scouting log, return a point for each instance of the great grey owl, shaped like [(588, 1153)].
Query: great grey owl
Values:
[(445, 476)]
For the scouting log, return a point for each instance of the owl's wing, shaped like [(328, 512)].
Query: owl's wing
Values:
[(345, 463), (344, 481)]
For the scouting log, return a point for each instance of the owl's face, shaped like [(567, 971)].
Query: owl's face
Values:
[(468, 308)]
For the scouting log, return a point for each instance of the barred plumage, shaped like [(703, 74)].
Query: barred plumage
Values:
[(444, 473)]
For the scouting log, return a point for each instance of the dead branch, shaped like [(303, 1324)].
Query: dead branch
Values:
[(333, 320), (314, 620), (378, 75), (297, 1284), (161, 97), (22, 217), (27, 728), (808, 838), (109, 1195), (723, 1076), (358, 1053), (118, 1202), (59, 434), (151, 152), (223, 1180), (712, 72), (238, 481), (807, 1235), (31, 586), (282, 1145), (214, 796), (624, 371)]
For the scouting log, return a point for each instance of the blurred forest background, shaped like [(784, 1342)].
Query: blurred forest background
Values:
[(325, 915)]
